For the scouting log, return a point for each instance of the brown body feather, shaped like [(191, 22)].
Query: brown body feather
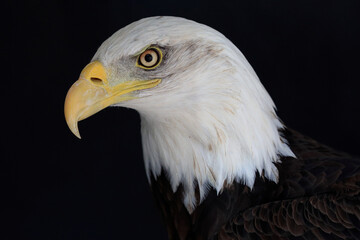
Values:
[(317, 197)]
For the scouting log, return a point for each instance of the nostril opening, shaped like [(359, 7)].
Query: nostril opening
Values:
[(96, 81)]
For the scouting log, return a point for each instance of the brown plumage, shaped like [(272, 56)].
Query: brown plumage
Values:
[(317, 197)]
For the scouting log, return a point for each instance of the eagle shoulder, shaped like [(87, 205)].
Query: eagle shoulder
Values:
[(317, 196)]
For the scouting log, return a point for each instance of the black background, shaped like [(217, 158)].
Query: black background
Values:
[(55, 186)]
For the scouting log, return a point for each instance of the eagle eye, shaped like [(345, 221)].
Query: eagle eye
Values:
[(149, 59)]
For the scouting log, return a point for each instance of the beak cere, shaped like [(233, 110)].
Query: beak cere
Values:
[(86, 95), (92, 93)]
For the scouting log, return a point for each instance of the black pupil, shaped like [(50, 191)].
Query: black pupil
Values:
[(148, 57)]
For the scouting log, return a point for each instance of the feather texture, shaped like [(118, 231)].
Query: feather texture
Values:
[(317, 197)]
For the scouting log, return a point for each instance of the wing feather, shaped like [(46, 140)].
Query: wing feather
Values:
[(323, 216)]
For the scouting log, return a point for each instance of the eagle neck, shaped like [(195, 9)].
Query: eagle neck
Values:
[(195, 148)]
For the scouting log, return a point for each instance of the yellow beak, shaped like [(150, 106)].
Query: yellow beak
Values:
[(92, 93)]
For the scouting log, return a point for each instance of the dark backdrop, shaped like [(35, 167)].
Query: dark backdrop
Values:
[(58, 187)]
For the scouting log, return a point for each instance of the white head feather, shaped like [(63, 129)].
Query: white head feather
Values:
[(210, 122)]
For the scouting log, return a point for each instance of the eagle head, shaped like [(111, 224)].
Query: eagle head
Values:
[(206, 119)]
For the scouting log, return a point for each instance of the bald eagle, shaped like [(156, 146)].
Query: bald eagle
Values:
[(220, 163)]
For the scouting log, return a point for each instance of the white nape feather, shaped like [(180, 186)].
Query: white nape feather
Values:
[(210, 122)]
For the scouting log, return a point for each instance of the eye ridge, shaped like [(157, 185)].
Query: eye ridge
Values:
[(150, 58)]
